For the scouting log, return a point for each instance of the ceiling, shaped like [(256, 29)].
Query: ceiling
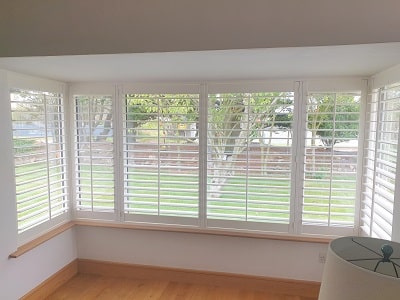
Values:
[(252, 64)]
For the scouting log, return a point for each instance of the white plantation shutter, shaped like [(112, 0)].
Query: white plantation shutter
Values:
[(39, 152), (330, 171), (380, 163), (249, 147), (161, 157), (94, 153), (233, 156)]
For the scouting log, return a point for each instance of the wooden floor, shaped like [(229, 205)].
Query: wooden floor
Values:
[(87, 286)]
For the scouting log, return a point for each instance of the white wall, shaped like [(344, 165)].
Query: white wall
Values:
[(59, 27), (240, 255), (20, 275), (386, 77)]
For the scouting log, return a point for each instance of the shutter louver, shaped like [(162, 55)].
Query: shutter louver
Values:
[(249, 159), (331, 160), (382, 132), (39, 155), (94, 153), (161, 158)]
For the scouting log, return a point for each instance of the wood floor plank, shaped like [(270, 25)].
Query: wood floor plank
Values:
[(268, 285), (99, 287)]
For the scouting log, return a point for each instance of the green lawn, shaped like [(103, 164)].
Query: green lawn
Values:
[(264, 199), (33, 191)]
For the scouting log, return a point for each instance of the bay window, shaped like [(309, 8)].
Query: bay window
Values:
[(259, 156), (279, 157)]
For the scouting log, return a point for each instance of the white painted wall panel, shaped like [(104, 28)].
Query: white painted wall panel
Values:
[(20, 275), (239, 255)]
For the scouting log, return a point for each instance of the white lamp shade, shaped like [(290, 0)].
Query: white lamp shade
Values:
[(345, 280)]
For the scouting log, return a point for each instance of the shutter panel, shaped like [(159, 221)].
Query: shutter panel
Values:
[(94, 153), (249, 160), (39, 154), (330, 160), (380, 162), (161, 158)]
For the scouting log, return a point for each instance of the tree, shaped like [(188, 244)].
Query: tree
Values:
[(333, 117), (93, 113), (139, 110), (40, 111), (234, 121), (168, 109)]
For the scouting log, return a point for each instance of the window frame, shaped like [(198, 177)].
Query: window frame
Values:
[(300, 88), (16, 81), (21, 81)]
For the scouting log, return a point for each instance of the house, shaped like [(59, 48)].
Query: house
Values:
[(40, 38)]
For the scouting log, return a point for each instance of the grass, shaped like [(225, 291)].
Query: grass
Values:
[(33, 192), (24, 145), (258, 199)]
